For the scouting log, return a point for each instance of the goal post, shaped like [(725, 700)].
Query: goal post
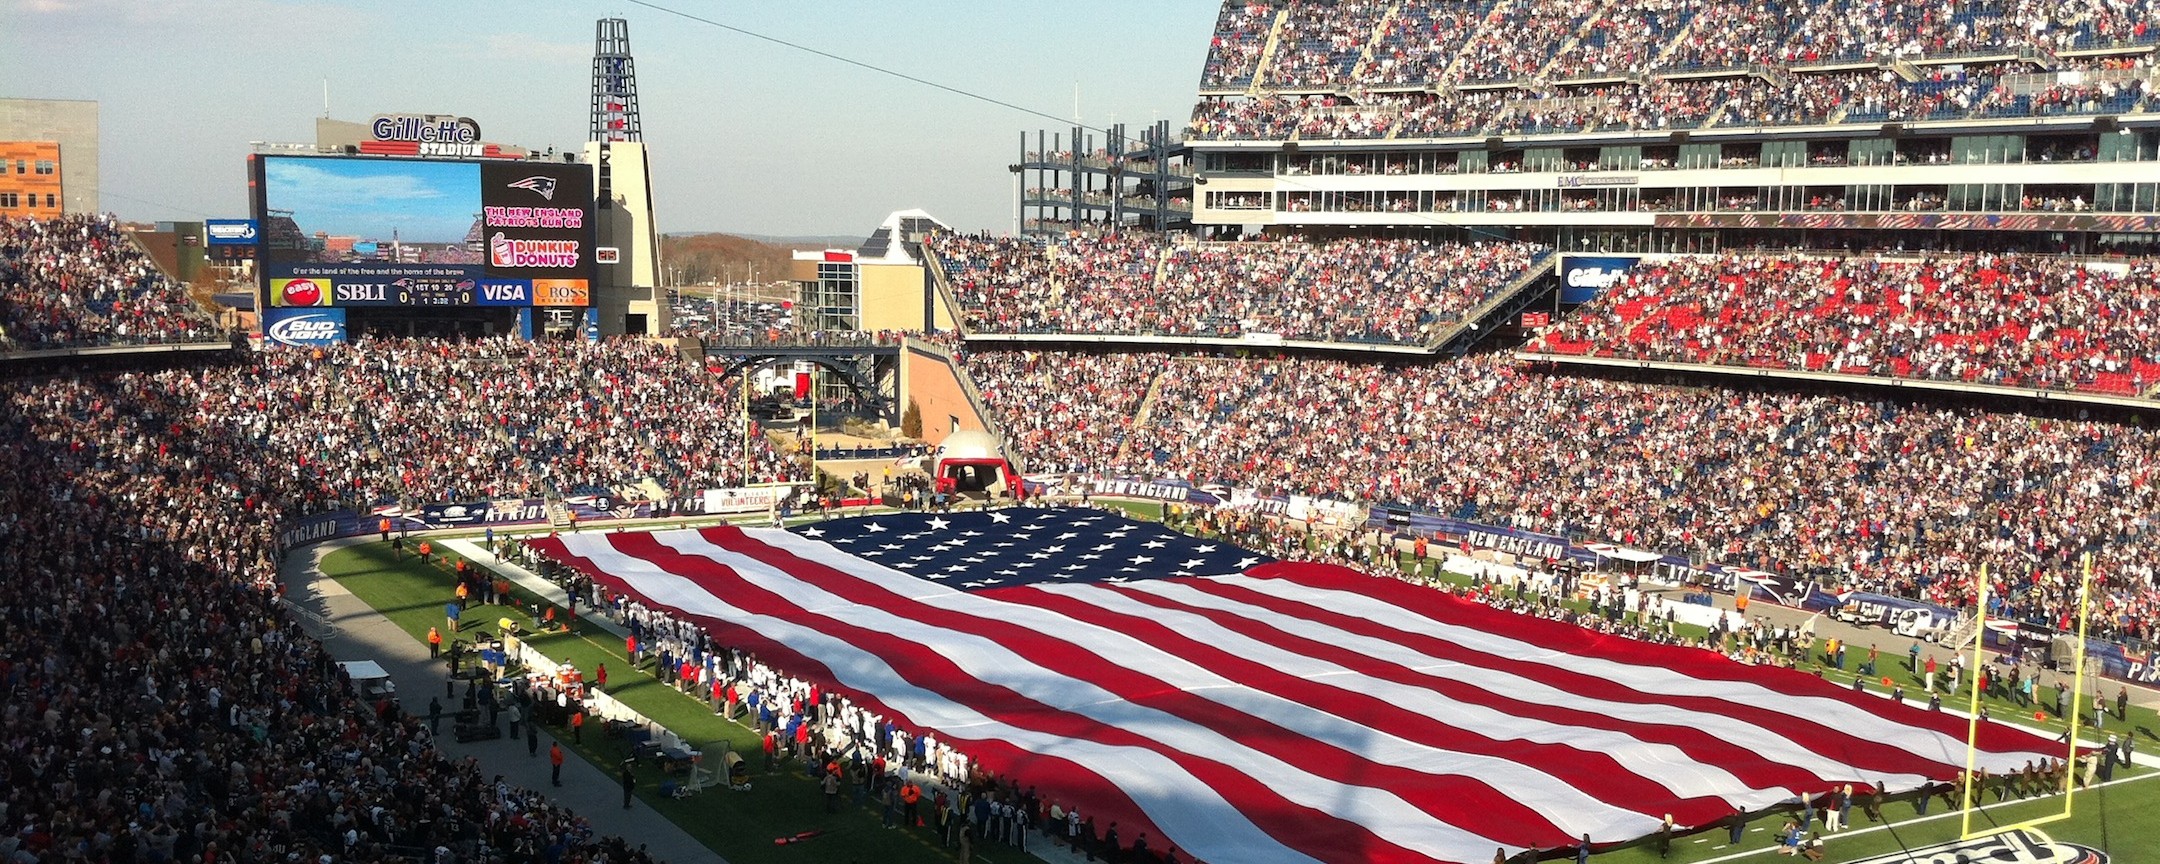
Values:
[(2077, 712)]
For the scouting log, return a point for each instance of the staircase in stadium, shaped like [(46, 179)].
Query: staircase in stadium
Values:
[(558, 514), (1496, 309), (1267, 54), (1962, 633), (1140, 414)]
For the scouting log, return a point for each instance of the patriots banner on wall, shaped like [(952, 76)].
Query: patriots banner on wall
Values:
[(1246, 709)]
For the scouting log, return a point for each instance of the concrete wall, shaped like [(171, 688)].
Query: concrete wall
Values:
[(71, 123), (892, 297), (929, 377), (628, 287)]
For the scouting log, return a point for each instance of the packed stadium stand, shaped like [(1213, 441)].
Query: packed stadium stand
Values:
[(2007, 320), (428, 420), (162, 704), (1954, 193), (79, 281), (1442, 68), (1851, 491), (1346, 291), (183, 471)]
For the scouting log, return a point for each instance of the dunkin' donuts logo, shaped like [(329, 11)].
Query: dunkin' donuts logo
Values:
[(2010, 847), (506, 252)]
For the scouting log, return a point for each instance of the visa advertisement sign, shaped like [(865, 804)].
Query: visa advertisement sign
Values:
[(1584, 277), (303, 328), (505, 292)]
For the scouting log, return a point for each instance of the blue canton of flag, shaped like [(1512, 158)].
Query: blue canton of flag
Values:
[(1026, 546)]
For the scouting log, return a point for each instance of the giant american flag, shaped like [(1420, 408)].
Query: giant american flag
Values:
[(1253, 710)]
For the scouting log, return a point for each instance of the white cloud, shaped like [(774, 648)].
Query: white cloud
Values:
[(309, 183), (527, 49)]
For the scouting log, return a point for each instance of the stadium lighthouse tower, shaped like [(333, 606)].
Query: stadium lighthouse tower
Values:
[(626, 299)]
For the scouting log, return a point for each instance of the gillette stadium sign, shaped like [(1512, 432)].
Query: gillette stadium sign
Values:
[(435, 134), (1583, 277)]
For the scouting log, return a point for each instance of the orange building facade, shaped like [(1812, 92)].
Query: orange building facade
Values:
[(30, 183)]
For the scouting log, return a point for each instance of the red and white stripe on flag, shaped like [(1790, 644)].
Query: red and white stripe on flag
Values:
[(1295, 712)]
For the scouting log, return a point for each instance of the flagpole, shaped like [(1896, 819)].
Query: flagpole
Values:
[(1972, 723)]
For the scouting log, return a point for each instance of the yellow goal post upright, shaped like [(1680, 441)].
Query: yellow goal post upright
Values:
[(2077, 706)]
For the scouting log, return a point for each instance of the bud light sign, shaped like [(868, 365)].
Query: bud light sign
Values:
[(303, 328), (1584, 277)]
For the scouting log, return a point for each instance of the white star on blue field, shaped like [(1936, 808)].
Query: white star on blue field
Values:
[(1026, 546)]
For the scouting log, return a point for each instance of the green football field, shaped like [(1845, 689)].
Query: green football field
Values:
[(2122, 819)]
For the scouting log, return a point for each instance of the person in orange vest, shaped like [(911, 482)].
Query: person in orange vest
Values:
[(502, 590), (383, 525), (464, 596), (600, 677), (577, 726), (426, 549), (910, 795), (434, 643), (555, 762)]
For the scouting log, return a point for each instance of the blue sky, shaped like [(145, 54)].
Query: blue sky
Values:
[(424, 202), (745, 136)]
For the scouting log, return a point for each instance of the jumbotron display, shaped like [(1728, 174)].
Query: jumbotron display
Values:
[(356, 233)]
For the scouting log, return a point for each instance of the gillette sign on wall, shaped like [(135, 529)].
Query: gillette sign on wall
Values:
[(362, 232), (1584, 277)]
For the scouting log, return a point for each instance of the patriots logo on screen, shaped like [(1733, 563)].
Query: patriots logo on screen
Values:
[(1024, 546), (544, 186)]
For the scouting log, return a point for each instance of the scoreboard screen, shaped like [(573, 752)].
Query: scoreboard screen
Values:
[(358, 232)]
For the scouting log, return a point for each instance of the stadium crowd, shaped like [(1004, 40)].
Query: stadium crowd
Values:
[(392, 421), (1358, 290), (1851, 492), (2018, 321), (1365, 60), (79, 281), (164, 708), (161, 705)]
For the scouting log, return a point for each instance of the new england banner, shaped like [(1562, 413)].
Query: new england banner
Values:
[(1253, 710)]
